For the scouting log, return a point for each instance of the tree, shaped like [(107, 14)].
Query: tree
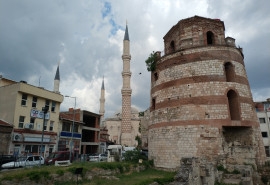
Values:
[(151, 61)]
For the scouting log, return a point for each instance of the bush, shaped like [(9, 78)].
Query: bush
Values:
[(134, 156), (264, 179), (220, 168), (60, 172)]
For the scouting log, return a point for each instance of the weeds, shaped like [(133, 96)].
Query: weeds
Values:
[(37, 175)]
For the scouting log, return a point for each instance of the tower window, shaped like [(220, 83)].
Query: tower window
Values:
[(172, 46), (156, 76), (233, 105), (210, 38), (153, 103), (229, 71)]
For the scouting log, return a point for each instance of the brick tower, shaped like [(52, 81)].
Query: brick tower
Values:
[(126, 94), (201, 102)]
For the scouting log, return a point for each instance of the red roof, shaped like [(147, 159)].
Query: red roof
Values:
[(70, 115), (5, 123)]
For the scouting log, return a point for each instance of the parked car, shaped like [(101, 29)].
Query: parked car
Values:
[(58, 156), (28, 161), (97, 157), (6, 158)]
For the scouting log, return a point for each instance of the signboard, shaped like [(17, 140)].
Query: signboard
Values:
[(36, 139), (39, 114)]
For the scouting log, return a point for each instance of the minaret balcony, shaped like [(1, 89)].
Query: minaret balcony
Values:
[(126, 57), (126, 73), (126, 91)]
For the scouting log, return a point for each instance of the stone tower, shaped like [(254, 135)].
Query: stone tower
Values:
[(57, 80), (126, 93), (102, 101), (201, 102)]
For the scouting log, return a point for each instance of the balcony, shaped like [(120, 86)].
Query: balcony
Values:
[(69, 134)]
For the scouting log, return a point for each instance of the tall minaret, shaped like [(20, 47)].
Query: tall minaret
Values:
[(57, 80), (126, 94), (102, 102)]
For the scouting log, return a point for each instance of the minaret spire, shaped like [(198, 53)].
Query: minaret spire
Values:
[(102, 102), (57, 80), (126, 33), (126, 94)]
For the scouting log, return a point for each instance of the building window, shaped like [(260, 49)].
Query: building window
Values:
[(31, 149), (53, 106), (62, 144), (267, 151), (210, 38), (51, 125), (24, 99), (34, 101), (45, 125), (47, 104), (264, 134), (233, 105), (21, 121), (32, 120), (262, 120), (51, 149), (66, 127), (76, 128)]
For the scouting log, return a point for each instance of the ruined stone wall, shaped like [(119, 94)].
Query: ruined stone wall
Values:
[(169, 144), (197, 93)]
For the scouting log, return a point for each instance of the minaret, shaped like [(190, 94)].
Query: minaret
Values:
[(102, 102), (57, 80), (126, 94)]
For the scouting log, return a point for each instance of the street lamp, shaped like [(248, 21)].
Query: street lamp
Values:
[(45, 111), (72, 130)]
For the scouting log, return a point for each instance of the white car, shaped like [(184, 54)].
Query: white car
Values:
[(28, 161), (98, 157)]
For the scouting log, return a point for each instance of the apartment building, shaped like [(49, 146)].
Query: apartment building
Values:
[(263, 114), (79, 131), (22, 105), (70, 131)]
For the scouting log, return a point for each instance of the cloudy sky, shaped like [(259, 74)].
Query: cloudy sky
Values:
[(86, 38)]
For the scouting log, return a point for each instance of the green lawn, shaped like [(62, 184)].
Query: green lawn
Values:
[(125, 177), (137, 178)]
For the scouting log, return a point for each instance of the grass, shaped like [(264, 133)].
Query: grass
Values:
[(137, 178), (124, 177)]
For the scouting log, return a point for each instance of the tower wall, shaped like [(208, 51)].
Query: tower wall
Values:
[(201, 99)]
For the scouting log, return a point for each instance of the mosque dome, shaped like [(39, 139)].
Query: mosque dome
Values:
[(134, 111)]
